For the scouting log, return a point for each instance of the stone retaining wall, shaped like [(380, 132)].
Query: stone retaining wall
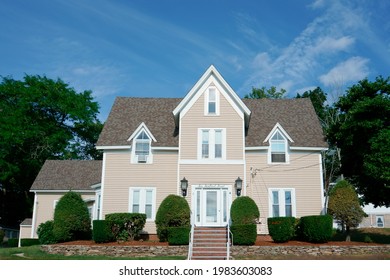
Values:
[(152, 251)]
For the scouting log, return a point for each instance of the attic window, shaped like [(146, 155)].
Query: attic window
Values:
[(142, 147), (211, 102), (278, 148)]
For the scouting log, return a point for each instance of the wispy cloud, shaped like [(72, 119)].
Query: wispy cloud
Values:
[(353, 69)]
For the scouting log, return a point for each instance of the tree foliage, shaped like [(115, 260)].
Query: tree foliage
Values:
[(272, 93), (40, 119), (362, 135), (344, 205)]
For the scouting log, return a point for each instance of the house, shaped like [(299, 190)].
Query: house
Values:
[(212, 143), (378, 217)]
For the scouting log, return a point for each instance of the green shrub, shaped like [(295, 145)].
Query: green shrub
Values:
[(12, 242), (126, 226), (45, 233), (2, 234), (281, 229), (317, 229), (101, 231), (244, 211), (25, 242), (179, 235), (244, 234), (71, 218), (174, 211)]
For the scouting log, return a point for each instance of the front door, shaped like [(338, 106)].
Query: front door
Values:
[(212, 205)]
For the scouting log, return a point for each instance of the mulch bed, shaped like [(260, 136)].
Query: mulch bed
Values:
[(261, 241)]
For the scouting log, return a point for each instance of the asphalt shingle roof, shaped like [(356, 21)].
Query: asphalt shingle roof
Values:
[(296, 116), (68, 175)]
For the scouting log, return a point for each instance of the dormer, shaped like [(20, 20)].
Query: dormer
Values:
[(141, 147), (279, 142)]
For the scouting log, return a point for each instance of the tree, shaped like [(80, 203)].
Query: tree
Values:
[(40, 119), (362, 135), (272, 93), (71, 218), (345, 207)]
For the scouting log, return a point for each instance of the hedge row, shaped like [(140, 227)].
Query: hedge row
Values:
[(316, 229)]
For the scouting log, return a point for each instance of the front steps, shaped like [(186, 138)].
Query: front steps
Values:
[(210, 243)]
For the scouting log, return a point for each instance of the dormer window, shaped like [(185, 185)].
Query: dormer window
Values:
[(212, 102), (278, 146), (142, 147), (141, 151)]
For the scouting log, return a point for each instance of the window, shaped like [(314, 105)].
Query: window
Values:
[(282, 203), (143, 200), (278, 146), (212, 144), (211, 101), (142, 148), (380, 221)]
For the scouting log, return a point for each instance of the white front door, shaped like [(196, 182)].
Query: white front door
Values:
[(211, 205)]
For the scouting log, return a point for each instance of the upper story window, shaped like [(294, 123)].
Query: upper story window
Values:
[(212, 102), (212, 144), (278, 147), (142, 147)]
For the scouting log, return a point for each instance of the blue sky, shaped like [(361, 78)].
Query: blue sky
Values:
[(161, 48)]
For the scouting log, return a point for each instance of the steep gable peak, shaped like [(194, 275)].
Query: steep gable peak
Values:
[(142, 128), (211, 78)]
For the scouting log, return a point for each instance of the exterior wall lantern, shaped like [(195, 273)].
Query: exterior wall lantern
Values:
[(238, 185), (184, 186)]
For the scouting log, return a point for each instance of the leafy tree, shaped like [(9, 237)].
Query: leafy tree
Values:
[(272, 93), (345, 207), (362, 135), (40, 119), (71, 218)]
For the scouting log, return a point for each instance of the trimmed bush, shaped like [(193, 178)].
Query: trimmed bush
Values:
[(244, 234), (71, 218), (126, 226), (25, 242), (174, 211), (12, 242), (2, 234), (101, 231), (244, 211), (317, 229), (179, 235), (281, 229), (45, 233)]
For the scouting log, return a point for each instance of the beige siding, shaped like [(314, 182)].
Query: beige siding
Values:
[(195, 119), (370, 221), (303, 173), (25, 232), (45, 207), (121, 175)]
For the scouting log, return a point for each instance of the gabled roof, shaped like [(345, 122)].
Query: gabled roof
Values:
[(296, 116), (211, 76), (68, 175), (128, 113)]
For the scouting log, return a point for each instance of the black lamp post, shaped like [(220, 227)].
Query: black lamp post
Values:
[(184, 186), (238, 185)]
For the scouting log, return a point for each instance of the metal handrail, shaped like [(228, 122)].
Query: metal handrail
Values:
[(190, 244), (228, 242)]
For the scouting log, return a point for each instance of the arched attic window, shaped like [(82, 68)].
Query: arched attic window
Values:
[(278, 148), (142, 147)]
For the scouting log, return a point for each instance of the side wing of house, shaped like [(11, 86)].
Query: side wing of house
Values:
[(283, 159)]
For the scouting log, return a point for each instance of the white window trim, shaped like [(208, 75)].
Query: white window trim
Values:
[(286, 148), (134, 157), (206, 101), (142, 200), (376, 221), (282, 210), (212, 144)]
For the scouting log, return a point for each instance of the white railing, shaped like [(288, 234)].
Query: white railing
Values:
[(228, 241), (191, 240)]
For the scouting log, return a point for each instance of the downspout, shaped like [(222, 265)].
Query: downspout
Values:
[(34, 217)]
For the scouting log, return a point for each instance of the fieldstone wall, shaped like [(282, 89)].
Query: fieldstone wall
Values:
[(152, 251)]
